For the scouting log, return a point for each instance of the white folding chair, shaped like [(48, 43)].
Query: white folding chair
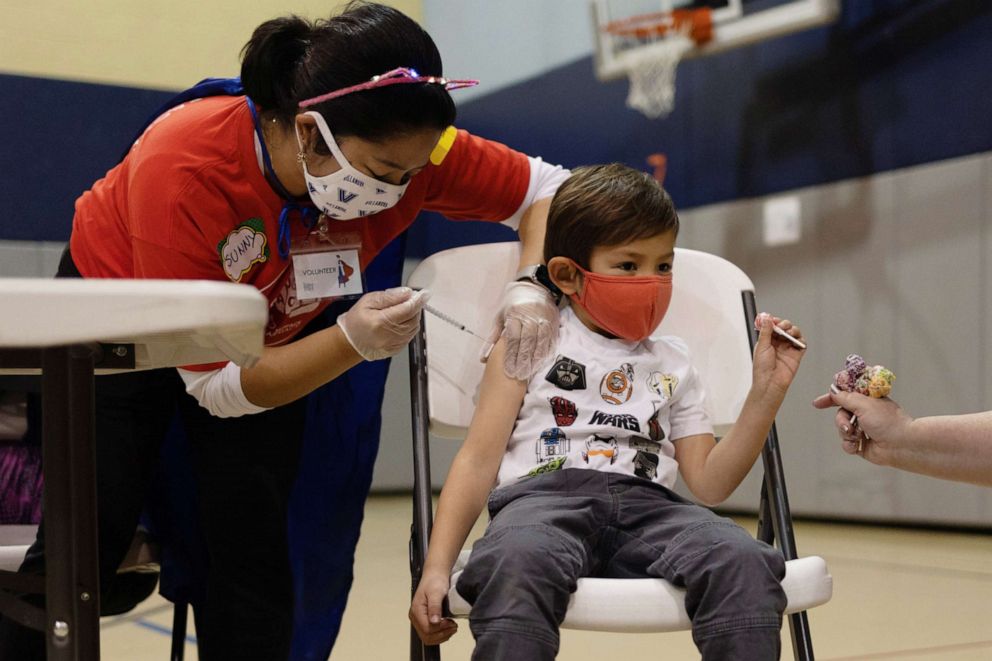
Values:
[(712, 310)]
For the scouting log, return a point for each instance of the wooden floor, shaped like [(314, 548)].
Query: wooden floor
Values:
[(898, 594)]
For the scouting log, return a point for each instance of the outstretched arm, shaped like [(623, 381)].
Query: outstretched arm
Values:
[(466, 489), (950, 447), (713, 470)]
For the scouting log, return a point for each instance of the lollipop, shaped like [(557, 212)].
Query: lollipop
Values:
[(778, 331), (880, 381), (875, 381), (855, 366)]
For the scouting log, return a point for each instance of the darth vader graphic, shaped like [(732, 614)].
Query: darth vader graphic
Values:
[(567, 374)]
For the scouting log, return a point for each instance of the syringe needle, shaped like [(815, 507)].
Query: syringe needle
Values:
[(443, 317)]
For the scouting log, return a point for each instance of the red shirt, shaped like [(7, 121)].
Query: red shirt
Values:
[(190, 202)]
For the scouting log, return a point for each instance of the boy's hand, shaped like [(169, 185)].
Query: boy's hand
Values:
[(776, 360), (425, 611)]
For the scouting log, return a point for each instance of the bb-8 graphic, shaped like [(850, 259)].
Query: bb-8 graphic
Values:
[(618, 385)]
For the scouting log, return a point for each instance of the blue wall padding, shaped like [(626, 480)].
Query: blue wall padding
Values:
[(894, 83), (58, 138)]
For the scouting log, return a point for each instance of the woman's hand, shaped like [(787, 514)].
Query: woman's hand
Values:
[(882, 424), (426, 609), (528, 323), (776, 360), (381, 323)]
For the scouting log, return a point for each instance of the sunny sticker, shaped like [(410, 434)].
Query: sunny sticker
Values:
[(244, 247)]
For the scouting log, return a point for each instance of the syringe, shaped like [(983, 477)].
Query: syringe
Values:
[(451, 320)]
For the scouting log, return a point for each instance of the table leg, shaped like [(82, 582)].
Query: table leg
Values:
[(72, 582)]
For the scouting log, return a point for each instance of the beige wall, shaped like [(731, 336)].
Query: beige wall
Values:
[(157, 45)]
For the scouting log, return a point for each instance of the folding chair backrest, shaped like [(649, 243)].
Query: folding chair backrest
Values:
[(467, 284)]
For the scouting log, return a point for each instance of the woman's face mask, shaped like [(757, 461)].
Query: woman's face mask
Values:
[(347, 193), (627, 307)]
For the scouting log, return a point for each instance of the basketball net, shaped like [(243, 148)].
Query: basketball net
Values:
[(665, 37), (651, 72)]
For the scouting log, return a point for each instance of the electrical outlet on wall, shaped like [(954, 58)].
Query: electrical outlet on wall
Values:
[(782, 220)]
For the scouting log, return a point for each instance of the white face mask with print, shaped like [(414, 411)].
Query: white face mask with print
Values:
[(347, 193)]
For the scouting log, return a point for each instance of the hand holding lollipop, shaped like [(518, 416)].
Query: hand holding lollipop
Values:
[(857, 376)]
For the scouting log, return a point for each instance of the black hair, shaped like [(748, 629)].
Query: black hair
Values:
[(291, 59)]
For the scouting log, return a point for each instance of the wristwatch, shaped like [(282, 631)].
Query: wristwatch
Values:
[(538, 274)]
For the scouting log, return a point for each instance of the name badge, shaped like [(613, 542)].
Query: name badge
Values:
[(327, 274), (327, 266)]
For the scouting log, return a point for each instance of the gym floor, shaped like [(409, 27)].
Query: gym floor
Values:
[(918, 595)]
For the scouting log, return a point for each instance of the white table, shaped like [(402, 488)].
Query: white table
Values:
[(70, 329)]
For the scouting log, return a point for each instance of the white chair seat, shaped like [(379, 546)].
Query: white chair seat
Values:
[(14, 543), (653, 605)]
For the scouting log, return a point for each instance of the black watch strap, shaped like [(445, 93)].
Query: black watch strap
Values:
[(539, 276)]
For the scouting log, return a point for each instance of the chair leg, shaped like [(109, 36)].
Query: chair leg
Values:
[(179, 631), (421, 652), (802, 642), (774, 508), (766, 531), (423, 515)]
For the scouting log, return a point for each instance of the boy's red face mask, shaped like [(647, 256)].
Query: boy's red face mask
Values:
[(630, 307)]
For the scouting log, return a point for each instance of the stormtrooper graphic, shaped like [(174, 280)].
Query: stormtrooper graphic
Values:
[(599, 445)]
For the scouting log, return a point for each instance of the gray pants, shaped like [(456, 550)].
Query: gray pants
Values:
[(550, 530)]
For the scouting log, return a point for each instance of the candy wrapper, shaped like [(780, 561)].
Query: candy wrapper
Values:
[(857, 376)]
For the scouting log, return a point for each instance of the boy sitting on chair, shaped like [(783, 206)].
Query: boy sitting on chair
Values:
[(585, 454)]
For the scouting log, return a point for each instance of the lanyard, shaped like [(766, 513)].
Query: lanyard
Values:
[(308, 213)]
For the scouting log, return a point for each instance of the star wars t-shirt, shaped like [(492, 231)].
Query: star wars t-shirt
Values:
[(609, 405)]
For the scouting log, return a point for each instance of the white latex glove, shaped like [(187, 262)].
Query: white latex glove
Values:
[(381, 323), (528, 321)]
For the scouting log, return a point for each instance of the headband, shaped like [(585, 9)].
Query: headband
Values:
[(397, 76)]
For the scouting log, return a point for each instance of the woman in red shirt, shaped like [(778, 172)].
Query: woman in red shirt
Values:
[(341, 135)]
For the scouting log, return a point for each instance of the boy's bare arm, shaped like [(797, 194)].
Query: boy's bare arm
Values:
[(713, 470), (474, 469), (466, 489)]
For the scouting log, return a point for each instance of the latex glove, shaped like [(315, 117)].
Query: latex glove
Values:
[(381, 323), (528, 322)]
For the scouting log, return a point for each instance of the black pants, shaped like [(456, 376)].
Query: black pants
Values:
[(244, 467)]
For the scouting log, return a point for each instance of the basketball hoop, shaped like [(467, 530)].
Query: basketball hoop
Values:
[(664, 38)]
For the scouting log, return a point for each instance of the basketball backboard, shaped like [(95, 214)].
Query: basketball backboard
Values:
[(735, 23)]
